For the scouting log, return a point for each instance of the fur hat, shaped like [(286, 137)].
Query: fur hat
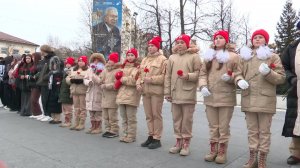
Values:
[(46, 48), (222, 33), (114, 57), (185, 38), (155, 41), (98, 56), (70, 60), (261, 32), (133, 51), (84, 59)]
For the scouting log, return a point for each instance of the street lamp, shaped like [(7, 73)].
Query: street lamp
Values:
[(135, 35)]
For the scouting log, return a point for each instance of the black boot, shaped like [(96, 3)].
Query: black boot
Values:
[(154, 144), (292, 160), (147, 142)]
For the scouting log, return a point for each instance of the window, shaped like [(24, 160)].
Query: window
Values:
[(27, 52), (4, 50), (15, 51)]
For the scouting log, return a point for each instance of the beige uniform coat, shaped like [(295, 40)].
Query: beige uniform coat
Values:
[(222, 93), (261, 94), (77, 89), (127, 93), (182, 91), (94, 92), (156, 64), (109, 94)]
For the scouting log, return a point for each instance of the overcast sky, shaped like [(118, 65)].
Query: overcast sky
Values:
[(35, 20)]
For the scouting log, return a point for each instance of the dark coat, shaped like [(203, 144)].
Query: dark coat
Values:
[(288, 61), (107, 42), (42, 76), (64, 95), (55, 80)]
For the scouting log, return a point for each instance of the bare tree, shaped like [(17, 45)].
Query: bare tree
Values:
[(86, 19)]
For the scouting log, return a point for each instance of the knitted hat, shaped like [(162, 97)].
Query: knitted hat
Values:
[(155, 41), (222, 33), (114, 57), (261, 32), (70, 60), (84, 59), (132, 51), (185, 38)]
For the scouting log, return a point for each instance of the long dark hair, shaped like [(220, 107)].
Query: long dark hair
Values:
[(37, 57)]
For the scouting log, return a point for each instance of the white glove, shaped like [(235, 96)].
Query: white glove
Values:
[(225, 77), (205, 92), (243, 84), (264, 69)]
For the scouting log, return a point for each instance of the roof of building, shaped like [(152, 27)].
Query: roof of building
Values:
[(10, 38)]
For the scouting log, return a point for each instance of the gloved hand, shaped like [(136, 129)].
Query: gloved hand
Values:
[(119, 75), (243, 84), (264, 69), (225, 77), (205, 92), (118, 84)]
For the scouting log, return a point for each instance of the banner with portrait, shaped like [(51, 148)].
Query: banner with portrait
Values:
[(107, 23)]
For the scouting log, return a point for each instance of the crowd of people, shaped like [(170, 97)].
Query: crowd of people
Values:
[(108, 88)]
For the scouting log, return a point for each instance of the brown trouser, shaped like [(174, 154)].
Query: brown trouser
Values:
[(67, 110), (295, 147), (79, 106), (95, 115), (153, 109), (110, 116), (35, 106), (129, 122), (259, 134), (183, 119), (219, 123)]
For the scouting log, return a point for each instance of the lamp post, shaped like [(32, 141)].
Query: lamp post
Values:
[(135, 33)]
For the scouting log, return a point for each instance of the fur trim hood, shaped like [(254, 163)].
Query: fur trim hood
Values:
[(55, 60)]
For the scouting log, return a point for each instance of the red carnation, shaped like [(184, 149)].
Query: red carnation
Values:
[(146, 70), (229, 72), (93, 66), (272, 66), (99, 70), (179, 72), (78, 72)]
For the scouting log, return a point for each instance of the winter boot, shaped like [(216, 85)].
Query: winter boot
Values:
[(81, 125), (98, 127), (252, 162), (177, 147), (222, 154), (262, 160), (89, 131), (185, 149), (76, 124), (213, 152)]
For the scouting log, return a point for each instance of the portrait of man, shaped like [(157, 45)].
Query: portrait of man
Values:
[(107, 34)]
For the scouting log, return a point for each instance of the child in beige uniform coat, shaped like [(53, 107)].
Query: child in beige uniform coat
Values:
[(151, 84), (109, 95), (78, 92), (94, 92), (218, 88), (128, 97), (259, 72), (181, 81)]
